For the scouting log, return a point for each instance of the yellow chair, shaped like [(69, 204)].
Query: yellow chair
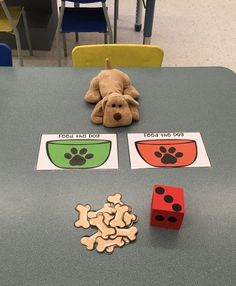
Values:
[(123, 55), (9, 19)]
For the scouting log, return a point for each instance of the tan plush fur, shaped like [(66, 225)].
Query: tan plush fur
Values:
[(114, 95)]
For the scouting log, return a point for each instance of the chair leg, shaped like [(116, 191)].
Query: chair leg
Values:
[(18, 46), (64, 44), (105, 38), (116, 10), (58, 32), (110, 37), (138, 18), (108, 23), (76, 5), (76, 37), (27, 32), (59, 49)]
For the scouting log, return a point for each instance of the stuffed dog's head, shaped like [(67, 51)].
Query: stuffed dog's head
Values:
[(115, 110)]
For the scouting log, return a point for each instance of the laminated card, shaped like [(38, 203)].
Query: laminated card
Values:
[(77, 151), (167, 150)]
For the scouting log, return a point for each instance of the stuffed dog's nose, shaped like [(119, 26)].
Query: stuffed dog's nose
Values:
[(117, 116)]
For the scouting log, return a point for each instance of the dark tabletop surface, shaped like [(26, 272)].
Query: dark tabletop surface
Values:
[(39, 244)]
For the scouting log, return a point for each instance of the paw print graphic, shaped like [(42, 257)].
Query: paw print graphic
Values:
[(78, 157), (169, 156)]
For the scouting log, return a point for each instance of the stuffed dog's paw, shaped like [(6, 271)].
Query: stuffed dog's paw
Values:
[(132, 91), (129, 88), (93, 94)]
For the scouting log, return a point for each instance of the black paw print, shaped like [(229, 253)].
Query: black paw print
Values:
[(168, 157), (78, 159)]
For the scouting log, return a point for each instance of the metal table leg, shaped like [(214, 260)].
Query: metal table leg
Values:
[(138, 18), (148, 22)]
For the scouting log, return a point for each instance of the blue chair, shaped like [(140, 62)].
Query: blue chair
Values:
[(5, 55), (9, 19), (81, 19)]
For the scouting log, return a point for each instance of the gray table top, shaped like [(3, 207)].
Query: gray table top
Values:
[(39, 244)]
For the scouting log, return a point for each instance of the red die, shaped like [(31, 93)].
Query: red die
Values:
[(167, 208)]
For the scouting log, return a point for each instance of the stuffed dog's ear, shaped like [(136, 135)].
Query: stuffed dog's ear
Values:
[(98, 111), (104, 102), (130, 100), (133, 106)]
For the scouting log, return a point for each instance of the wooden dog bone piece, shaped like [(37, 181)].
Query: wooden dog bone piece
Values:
[(107, 218), (89, 241), (115, 199), (83, 216), (110, 249), (107, 208), (102, 244), (129, 218), (98, 221), (118, 219), (126, 240), (130, 233)]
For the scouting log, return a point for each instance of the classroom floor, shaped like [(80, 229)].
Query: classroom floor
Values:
[(192, 33)]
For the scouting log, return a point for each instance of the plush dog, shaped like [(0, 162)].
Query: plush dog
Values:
[(114, 95)]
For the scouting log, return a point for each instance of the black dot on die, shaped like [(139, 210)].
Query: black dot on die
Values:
[(159, 217), (177, 207), (172, 219), (168, 199), (160, 190)]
